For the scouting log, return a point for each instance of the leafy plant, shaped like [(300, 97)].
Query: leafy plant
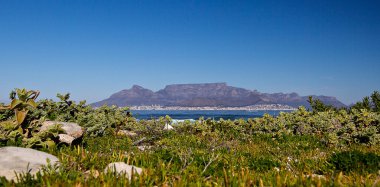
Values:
[(375, 97), (21, 104), (318, 106), (24, 130), (371, 103)]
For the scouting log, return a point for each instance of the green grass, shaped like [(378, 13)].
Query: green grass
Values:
[(178, 158)]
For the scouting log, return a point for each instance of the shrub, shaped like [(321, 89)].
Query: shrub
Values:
[(356, 161)]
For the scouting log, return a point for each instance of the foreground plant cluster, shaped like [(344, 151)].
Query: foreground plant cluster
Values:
[(322, 147)]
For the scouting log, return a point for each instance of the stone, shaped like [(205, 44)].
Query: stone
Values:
[(72, 131), (144, 147), (122, 168), (168, 127), (23, 160), (130, 134), (317, 176), (66, 138), (91, 173)]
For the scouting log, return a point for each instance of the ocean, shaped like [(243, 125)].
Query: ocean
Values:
[(196, 114)]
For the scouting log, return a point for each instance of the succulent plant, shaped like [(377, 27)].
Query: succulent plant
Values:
[(20, 105)]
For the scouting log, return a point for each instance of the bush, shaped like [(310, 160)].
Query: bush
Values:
[(356, 161)]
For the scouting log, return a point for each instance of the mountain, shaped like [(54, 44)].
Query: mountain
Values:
[(208, 94), (295, 100)]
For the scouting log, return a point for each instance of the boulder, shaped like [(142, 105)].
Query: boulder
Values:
[(122, 168), (17, 160), (72, 131)]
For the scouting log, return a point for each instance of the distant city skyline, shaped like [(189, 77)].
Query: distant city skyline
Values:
[(92, 49)]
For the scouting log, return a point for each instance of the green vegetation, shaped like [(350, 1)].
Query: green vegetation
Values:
[(18, 130), (369, 103), (25, 100), (323, 147), (318, 106)]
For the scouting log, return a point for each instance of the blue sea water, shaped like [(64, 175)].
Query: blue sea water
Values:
[(196, 114)]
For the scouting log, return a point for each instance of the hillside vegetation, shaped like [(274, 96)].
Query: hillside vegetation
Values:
[(324, 146)]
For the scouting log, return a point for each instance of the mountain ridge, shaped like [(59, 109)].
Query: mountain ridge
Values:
[(207, 94)]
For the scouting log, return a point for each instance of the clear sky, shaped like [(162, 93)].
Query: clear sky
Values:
[(94, 48)]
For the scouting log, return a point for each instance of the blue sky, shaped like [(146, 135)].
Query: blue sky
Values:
[(95, 48)]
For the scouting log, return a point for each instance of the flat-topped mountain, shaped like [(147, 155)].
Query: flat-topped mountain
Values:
[(208, 94)]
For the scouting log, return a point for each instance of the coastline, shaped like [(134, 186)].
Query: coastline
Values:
[(245, 108)]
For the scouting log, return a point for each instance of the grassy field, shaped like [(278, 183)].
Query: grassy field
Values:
[(302, 148)]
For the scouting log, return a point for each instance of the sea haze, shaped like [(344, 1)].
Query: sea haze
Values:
[(196, 114)]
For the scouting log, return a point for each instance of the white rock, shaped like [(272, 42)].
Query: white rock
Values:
[(72, 131), (23, 160), (123, 168), (318, 176), (144, 147), (66, 138), (168, 127), (126, 133)]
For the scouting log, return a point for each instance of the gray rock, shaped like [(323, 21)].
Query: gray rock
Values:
[(123, 168), (66, 138), (23, 160), (72, 131)]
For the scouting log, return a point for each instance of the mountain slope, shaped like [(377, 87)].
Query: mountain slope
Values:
[(208, 94)]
